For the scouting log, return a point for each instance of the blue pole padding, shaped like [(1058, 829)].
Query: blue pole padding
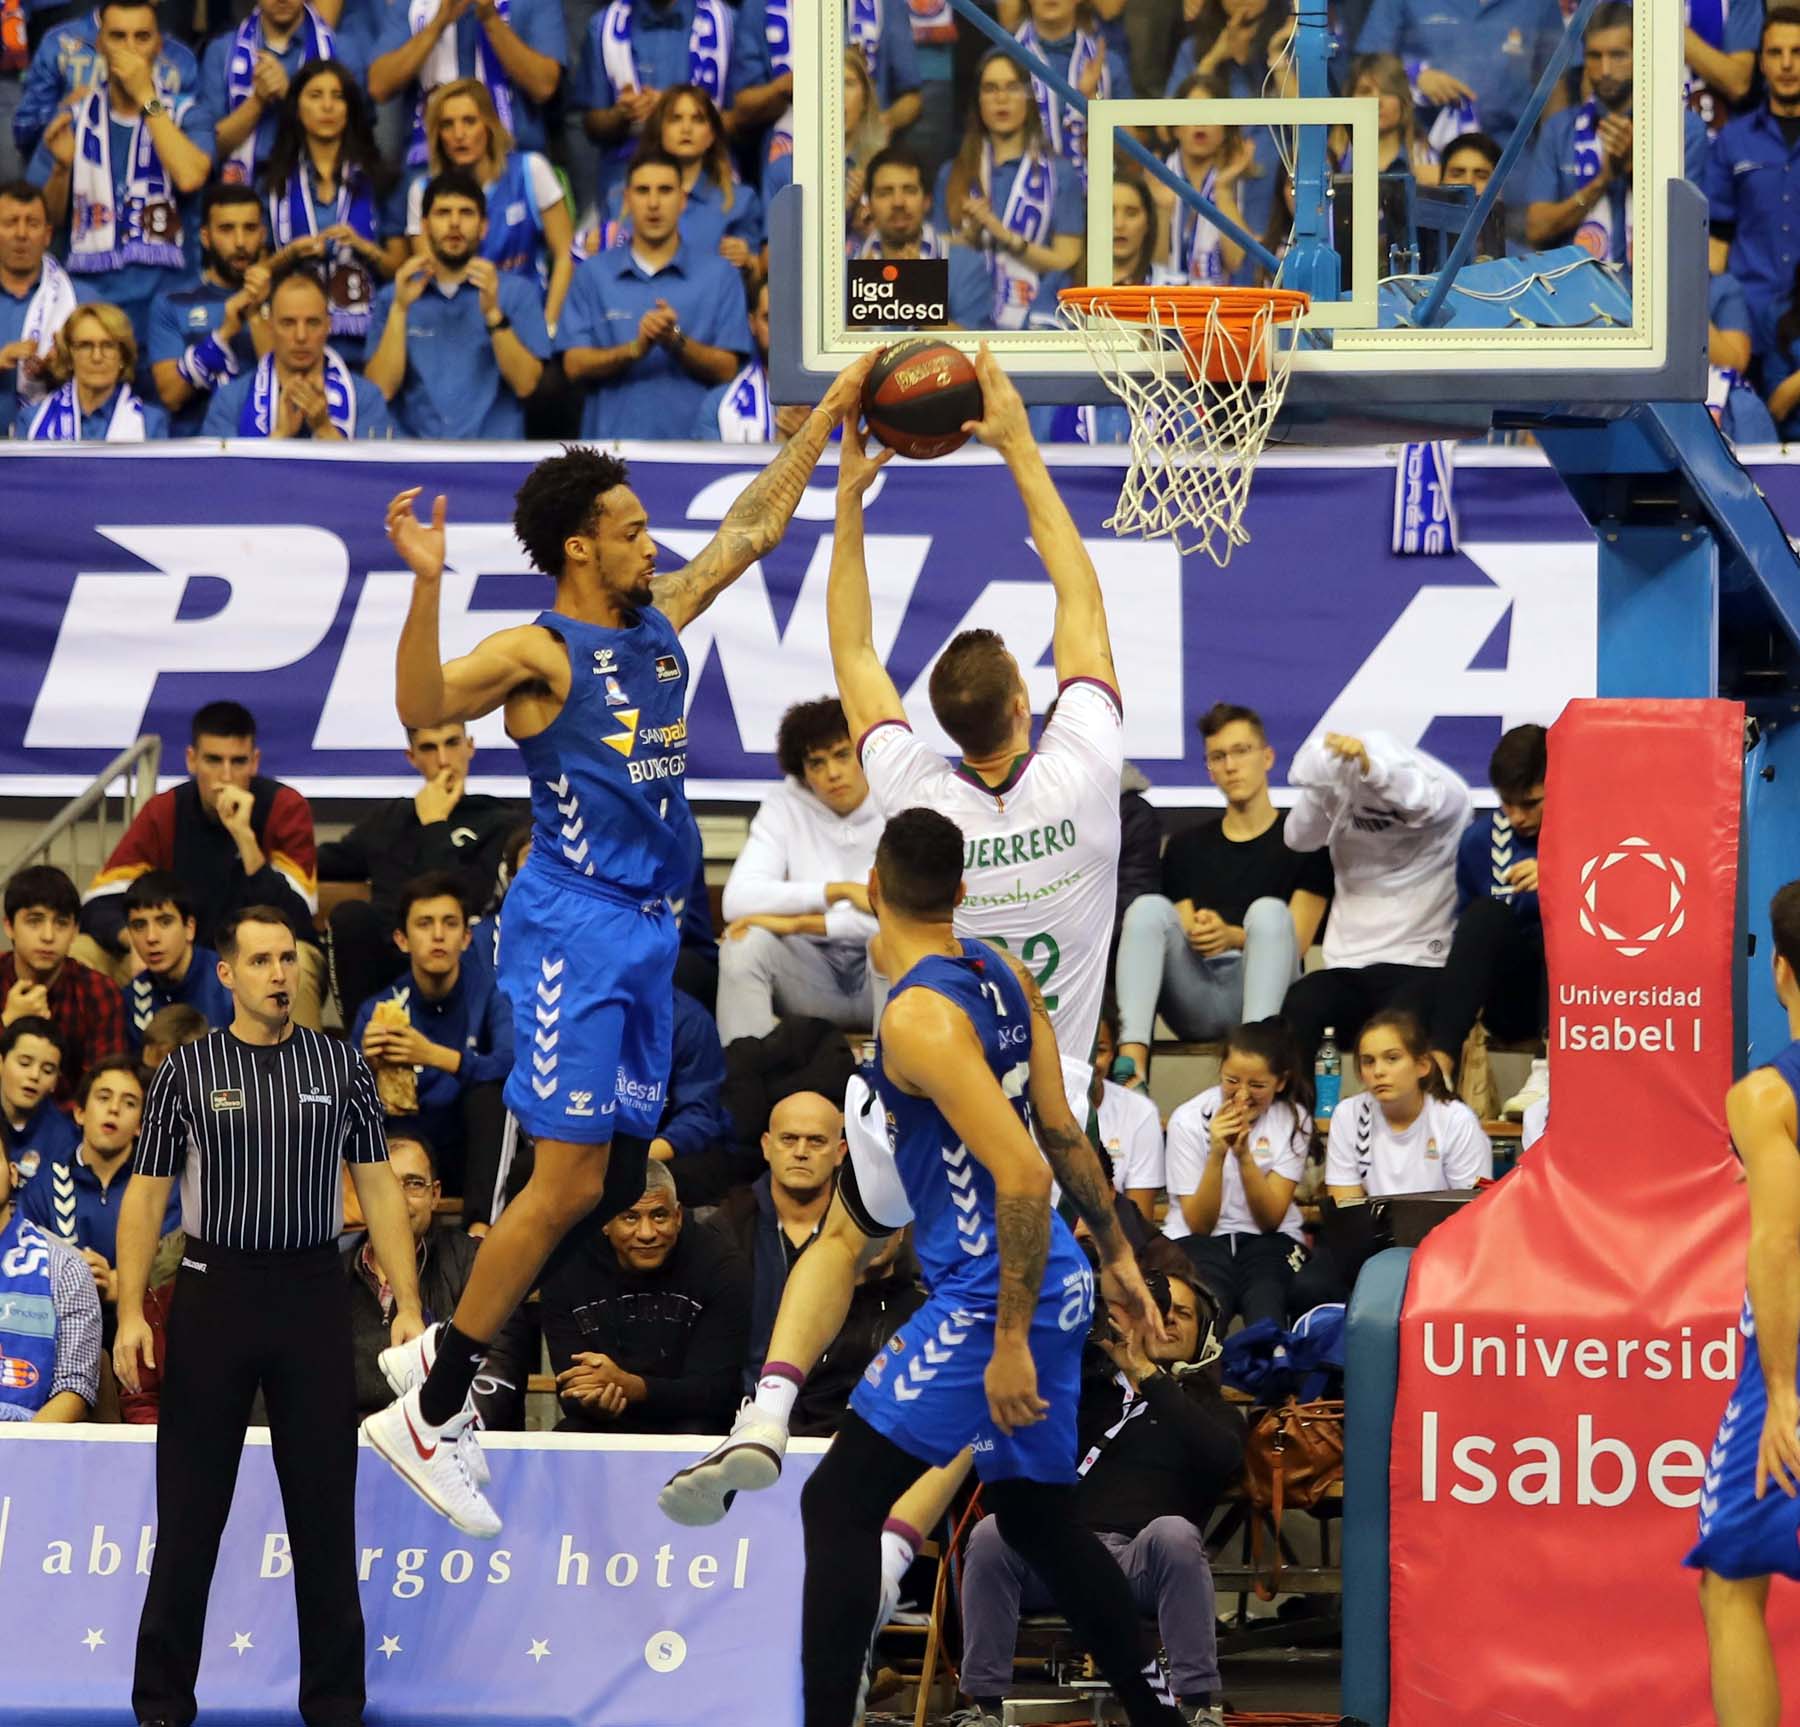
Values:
[(997, 33), (1509, 157)]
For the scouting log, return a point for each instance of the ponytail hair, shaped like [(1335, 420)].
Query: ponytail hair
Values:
[(1270, 1042), (1414, 1040)]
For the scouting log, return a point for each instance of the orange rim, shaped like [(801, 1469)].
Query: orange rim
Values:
[(1246, 318)]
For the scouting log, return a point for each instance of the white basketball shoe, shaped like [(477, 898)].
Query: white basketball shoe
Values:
[(406, 1366), (434, 1462), (745, 1462)]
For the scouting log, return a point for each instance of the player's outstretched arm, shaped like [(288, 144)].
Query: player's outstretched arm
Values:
[(864, 687), (754, 524), (1760, 1110), (1080, 643)]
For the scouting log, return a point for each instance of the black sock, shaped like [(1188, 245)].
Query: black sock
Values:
[(989, 1705), (446, 1390)]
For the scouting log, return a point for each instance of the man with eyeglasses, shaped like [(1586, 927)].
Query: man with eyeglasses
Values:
[(1220, 944)]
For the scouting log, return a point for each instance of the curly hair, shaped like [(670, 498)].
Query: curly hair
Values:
[(561, 497), (809, 726)]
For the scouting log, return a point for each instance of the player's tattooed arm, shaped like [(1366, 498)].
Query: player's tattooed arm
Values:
[(1023, 1225), (753, 526)]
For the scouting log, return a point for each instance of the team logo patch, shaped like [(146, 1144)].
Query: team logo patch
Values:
[(668, 668), (28, 1165), (615, 697), (896, 1343), (581, 1103), (1431, 1149), (876, 1368), (16, 1374), (605, 661), (228, 1097), (314, 1097)]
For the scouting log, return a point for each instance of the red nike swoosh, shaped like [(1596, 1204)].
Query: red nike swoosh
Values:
[(424, 1455)]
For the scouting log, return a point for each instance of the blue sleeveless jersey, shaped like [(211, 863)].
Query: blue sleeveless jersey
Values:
[(950, 1193), (514, 241), (27, 1314), (608, 800)]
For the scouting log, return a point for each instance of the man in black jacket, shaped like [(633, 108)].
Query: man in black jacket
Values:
[(647, 1320), (887, 1295), (442, 826), (1156, 1453)]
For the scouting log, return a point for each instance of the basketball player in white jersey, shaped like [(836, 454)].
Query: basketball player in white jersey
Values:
[(1040, 865)]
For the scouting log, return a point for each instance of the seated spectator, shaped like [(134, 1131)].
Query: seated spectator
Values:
[(1399, 147), (530, 228), (1719, 44), (442, 826), (797, 900), (1781, 371), (326, 182), (34, 1133), (739, 411), (1392, 819), (1060, 33), (245, 74), (1496, 966), (1236, 1155), (1238, 909), (173, 971), (460, 1039), (1231, 42), (1009, 197), (865, 137), (204, 336), (54, 1377), (693, 1118), (168, 1030), (302, 387), (899, 227), (446, 1257), (1220, 163), (883, 35), (36, 298), (460, 347), (235, 838), (91, 401), (646, 1321), (773, 1221), (1741, 414), (1404, 1133), (888, 1293), (653, 325), (1131, 1135), (74, 1202), (1160, 1452), (39, 979), (1579, 189), (1748, 184), (118, 163), (518, 50), (1469, 160)]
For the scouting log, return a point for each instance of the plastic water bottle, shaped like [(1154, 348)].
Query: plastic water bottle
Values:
[(1328, 1075)]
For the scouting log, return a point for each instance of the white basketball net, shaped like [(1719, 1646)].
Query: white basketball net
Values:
[(1194, 441)]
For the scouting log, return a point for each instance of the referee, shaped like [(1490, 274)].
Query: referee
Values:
[(254, 1121)]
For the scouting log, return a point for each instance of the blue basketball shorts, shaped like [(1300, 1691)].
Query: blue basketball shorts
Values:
[(926, 1390), (590, 977), (1740, 1535)]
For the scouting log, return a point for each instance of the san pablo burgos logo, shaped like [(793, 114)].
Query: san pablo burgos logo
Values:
[(1631, 896)]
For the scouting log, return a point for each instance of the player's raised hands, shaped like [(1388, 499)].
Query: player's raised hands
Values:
[(1003, 424), (856, 467), (422, 547), (841, 400)]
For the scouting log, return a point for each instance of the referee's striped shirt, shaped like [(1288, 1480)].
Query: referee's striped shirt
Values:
[(255, 1132)]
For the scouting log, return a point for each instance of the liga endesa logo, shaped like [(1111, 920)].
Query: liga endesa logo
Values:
[(1631, 896)]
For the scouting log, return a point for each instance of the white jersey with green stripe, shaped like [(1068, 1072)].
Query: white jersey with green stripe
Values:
[(1040, 850)]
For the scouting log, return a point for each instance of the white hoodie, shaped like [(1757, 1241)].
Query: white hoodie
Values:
[(796, 847)]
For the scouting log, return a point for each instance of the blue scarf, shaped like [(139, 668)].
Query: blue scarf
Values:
[(709, 48), (58, 419), (1196, 247), (931, 245), (778, 37), (1027, 214), (292, 216), (240, 80), (146, 228), (258, 417), (1603, 233), (745, 414), (1063, 126), (1424, 502), (862, 29), (441, 66), (27, 1315)]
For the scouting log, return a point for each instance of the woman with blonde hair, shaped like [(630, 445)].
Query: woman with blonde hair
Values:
[(92, 401), (1400, 148), (529, 224), (865, 137)]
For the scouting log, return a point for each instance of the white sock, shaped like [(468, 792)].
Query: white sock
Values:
[(896, 1558), (775, 1394)]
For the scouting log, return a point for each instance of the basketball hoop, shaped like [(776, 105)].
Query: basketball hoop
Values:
[(1197, 427)]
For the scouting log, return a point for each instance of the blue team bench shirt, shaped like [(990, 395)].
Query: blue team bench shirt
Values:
[(68, 1203), (1488, 850), (46, 1136), (147, 994)]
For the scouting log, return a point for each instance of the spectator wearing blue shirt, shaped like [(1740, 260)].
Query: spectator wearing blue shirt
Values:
[(461, 347), (36, 297), (1230, 39), (1056, 34), (1491, 51), (517, 48), (1741, 413), (121, 160), (1220, 163), (244, 76), (64, 61), (1720, 44), (1781, 372), (739, 411), (653, 325), (204, 336), (33, 1131), (301, 388), (459, 1035), (882, 29), (91, 400), (1579, 189), (899, 211), (159, 924), (1752, 180), (1496, 964)]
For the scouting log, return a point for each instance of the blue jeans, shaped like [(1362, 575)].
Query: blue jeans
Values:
[(1201, 998)]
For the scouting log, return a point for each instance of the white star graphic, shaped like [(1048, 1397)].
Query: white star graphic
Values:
[(241, 1642), (94, 1639), (538, 1650), (390, 1647)]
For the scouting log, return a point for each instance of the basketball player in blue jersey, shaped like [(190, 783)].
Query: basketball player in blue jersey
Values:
[(1750, 1501), (594, 694)]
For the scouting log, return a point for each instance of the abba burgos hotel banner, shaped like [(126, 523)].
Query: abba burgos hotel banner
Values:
[(1570, 1339)]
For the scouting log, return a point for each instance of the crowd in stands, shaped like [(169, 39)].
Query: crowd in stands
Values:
[(342, 219)]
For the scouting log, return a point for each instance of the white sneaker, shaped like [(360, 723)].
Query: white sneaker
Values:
[(746, 1462), (434, 1462), (406, 1366), (1535, 1089)]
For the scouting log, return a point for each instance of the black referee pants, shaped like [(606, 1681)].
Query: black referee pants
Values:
[(280, 1321)]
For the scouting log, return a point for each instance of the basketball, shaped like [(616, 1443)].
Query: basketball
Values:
[(918, 397)]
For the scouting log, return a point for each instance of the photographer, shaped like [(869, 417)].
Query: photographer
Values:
[(1158, 1445)]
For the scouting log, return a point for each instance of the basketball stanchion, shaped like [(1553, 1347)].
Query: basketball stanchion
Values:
[(1202, 373)]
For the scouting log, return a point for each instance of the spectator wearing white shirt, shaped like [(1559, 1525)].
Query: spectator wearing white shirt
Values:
[(1235, 1156), (1131, 1135), (797, 900), (1392, 818)]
